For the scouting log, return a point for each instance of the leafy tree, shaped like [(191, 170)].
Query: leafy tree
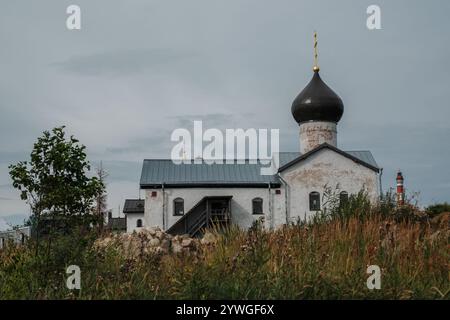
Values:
[(438, 208), (55, 180)]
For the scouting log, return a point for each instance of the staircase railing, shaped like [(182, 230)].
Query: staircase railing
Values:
[(199, 217), (198, 224), (186, 223)]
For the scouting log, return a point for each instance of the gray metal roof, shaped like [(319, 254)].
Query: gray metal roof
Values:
[(364, 155), (286, 157), (133, 206), (156, 172)]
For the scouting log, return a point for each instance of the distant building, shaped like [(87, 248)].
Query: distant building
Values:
[(15, 236), (134, 212), (400, 189), (115, 224)]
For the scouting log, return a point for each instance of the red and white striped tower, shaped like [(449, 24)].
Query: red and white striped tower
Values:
[(400, 189)]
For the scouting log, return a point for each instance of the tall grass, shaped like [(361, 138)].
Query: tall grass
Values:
[(325, 258)]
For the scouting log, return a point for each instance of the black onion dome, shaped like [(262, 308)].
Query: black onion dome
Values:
[(317, 102)]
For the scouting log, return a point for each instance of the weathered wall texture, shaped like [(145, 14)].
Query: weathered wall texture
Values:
[(132, 219), (315, 173), (241, 204), (314, 133), (326, 168)]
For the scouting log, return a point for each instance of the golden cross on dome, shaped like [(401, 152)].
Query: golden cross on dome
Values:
[(316, 65)]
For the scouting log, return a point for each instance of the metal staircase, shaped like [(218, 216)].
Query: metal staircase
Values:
[(211, 210)]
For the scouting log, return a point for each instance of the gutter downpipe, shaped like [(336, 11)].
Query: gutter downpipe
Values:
[(163, 207), (286, 198), (270, 208), (381, 184)]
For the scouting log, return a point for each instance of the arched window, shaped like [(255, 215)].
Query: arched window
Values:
[(257, 206), (343, 198), (139, 223), (314, 201), (178, 207)]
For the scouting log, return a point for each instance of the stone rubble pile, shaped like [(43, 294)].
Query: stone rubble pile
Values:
[(152, 240)]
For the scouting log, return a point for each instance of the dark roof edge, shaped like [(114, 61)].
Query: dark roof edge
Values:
[(211, 185), (323, 146), (224, 160)]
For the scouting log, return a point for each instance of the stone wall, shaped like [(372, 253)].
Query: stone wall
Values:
[(147, 241), (314, 133), (326, 169)]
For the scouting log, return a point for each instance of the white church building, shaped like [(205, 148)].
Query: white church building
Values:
[(188, 197)]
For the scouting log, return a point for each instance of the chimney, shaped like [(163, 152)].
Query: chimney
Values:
[(400, 189)]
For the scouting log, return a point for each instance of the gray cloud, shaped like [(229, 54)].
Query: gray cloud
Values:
[(211, 120), (8, 157), (121, 63), (119, 171), (11, 220)]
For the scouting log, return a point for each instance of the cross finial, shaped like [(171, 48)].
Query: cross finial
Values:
[(316, 65)]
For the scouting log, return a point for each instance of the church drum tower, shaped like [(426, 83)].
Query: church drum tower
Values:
[(317, 110)]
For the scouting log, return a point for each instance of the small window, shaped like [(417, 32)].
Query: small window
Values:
[(343, 198), (178, 207), (314, 201), (139, 223), (257, 205)]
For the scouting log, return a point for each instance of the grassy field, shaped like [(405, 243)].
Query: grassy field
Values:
[(326, 258)]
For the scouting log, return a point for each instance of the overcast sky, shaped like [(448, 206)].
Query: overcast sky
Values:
[(138, 69)]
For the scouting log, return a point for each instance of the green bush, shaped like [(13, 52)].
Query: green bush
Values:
[(438, 208)]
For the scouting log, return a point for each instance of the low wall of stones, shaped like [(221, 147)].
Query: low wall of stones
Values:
[(152, 241)]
